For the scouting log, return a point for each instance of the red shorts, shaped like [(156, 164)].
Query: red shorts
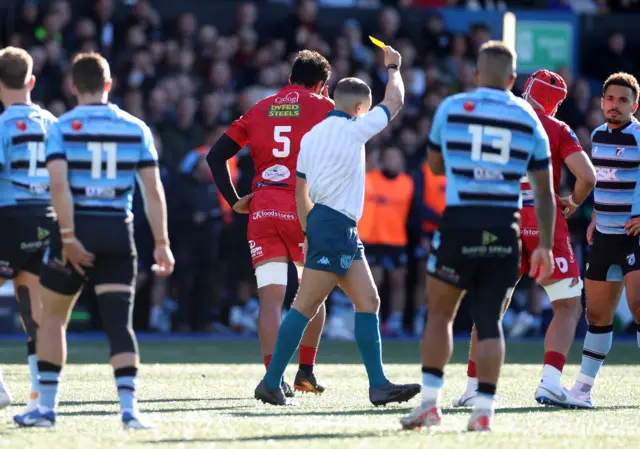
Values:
[(274, 229), (566, 265)]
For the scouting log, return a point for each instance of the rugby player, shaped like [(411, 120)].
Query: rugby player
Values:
[(330, 201), (25, 221), (273, 129), (484, 155), (93, 154), (614, 259), (545, 91)]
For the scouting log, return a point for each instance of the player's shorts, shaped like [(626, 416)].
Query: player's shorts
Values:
[(23, 240), (484, 260), (110, 239), (566, 264), (612, 256), (274, 229), (333, 241), (386, 256)]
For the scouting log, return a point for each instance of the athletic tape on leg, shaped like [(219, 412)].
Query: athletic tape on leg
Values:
[(24, 305), (563, 289), (272, 273)]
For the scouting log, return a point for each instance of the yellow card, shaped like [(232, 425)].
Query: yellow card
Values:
[(377, 42)]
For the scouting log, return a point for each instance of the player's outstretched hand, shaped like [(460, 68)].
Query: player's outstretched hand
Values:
[(590, 229), (391, 56), (164, 260), (75, 253), (567, 209), (242, 206), (541, 264)]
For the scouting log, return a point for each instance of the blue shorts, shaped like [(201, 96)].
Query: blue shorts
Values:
[(333, 241)]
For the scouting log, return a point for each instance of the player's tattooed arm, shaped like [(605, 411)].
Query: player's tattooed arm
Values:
[(303, 202), (545, 204)]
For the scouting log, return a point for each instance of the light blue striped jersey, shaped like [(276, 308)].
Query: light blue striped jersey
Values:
[(104, 147), (488, 138), (616, 157), (24, 180)]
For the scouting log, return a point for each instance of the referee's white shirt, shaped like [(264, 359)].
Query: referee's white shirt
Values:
[(332, 159)]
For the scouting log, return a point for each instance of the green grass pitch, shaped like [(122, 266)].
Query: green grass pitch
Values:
[(200, 394)]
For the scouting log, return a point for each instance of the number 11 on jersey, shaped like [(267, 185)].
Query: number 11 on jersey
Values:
[(96, 149)]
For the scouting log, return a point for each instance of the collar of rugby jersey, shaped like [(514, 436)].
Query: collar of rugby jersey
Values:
[(336, 113), (621, 128)]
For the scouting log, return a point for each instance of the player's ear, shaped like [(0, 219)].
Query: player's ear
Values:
[(32, 82), (634, 108), (317, 88), (512, 80), (108, 84)]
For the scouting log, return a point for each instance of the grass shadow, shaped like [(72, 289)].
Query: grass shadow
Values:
[(286, 437), (164, 410), (373, 411), (148, 401)]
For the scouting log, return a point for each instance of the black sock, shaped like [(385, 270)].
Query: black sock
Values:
[(307, 369), (487, 388)]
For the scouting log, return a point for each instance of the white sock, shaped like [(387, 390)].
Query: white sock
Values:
[(583, 384), (431, 387), (485, 402), (431, 394), (551, 375), (472, 384)]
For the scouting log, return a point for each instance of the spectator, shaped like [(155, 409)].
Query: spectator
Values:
[(389, 194), (105, 26), (184, 134), (614, 58), (196, 218)]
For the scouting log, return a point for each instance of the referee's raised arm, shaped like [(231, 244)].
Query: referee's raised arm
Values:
[(394, 94)]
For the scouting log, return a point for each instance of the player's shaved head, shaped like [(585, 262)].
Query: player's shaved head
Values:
[(15, 68), (496, 66), (352, 95)]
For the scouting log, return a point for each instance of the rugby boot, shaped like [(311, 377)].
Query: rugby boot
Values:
[(390, 392), (268, 396), (307, 383)]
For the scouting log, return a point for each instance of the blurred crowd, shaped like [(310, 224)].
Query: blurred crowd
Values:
[(188, 82)]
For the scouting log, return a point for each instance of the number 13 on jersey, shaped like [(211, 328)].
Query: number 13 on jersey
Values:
[(279, 137), (501, 142)]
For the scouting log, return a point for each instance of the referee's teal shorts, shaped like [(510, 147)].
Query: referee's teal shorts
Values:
[(333, 241)]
